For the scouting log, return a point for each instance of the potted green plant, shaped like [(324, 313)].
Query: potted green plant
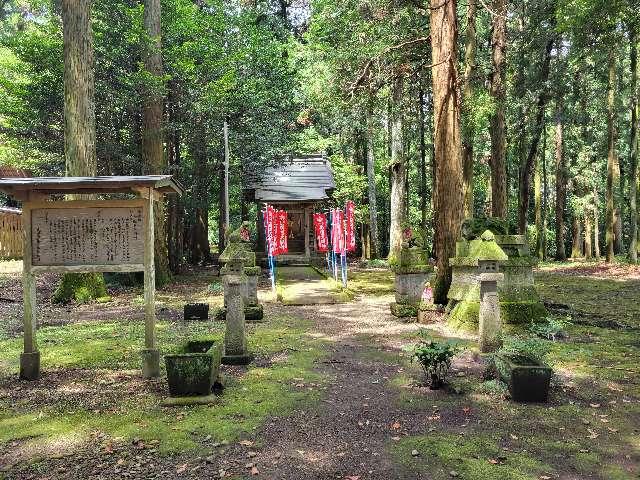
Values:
[(521, 364), (435, 359)]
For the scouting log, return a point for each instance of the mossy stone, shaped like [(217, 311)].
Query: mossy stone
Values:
[(403, 311), (472, 228), (81, 287), (465, 315)]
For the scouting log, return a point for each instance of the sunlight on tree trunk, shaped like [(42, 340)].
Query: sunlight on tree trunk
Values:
[(152, 130), (467, 103), (398, 171), (448, 194)]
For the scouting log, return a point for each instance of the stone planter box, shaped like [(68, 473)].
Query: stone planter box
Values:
[(196, 311), (528, 380), (196, 371)]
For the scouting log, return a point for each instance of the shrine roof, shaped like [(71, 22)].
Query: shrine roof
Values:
[(295, 178), (90, 185)]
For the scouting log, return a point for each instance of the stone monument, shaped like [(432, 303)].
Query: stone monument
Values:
[(411, 274), (235, 335), (238, 244), (490, 324), (519, 301)]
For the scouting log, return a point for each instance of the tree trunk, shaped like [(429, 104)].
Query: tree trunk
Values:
[(588, 232), (371, 181), (423, 163), (199, 229), (448, 193), (175, 203), (545, 192), (152, 131), (635, 145), (561, 184), (498, 93), (576, 237), (79, 118), (79, 89), (467, 102), (398, 172), (527, 168), (596, 221), (612, 159), (537, 189)]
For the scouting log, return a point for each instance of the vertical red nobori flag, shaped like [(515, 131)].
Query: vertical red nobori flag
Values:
[(270, 234), (338, 231), (350, 229), (283, 232), (320, 228)]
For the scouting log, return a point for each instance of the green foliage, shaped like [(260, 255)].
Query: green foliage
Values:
[(526, 347), (434, 357), (551, 328), (81, 287)]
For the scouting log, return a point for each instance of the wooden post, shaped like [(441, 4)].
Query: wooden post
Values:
[(151, 354), (30, 359), (307, 250)]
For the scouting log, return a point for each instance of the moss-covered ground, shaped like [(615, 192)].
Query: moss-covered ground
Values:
[(332, 390)]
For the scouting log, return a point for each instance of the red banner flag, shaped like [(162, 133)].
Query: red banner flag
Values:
[(350, 229), (268, 214), (283, 232), (320, 226), (338, 231)]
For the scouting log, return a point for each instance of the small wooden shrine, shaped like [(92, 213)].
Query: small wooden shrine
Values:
[(83, 236), (296, 184)]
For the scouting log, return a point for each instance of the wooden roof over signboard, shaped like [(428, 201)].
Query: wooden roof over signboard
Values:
[(295, 178), (90, 185)]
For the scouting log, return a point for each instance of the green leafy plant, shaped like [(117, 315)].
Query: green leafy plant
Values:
[(551, 328), (526, 348), (435, 359), (216, 287)]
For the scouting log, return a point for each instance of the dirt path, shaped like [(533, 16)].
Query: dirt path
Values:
[(302, 285)]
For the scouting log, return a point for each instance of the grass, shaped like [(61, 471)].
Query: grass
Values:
[(371, 282), (249, 399), (589, 428)]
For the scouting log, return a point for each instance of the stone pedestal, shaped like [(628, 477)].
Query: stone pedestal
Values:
[(411, 276), (235, 338), (490, 324), (519, 301)]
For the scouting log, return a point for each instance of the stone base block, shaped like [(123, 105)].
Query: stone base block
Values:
[(465, 315), (30, 366), (253, 313), (402, 310), (150, 363), (428, 314), (245, 359)]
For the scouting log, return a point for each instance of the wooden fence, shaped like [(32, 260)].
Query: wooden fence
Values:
[(10, 233)]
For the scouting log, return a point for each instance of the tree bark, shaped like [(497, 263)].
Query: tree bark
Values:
[(423, 163), (588, 232), (635, 145), (498, 93), (612, 159), (561, 184), (152, 130), (576, 237), (175, 203), (448, 193), (467, 102), (537, 189), (79, 89), (371, 181), (199, 229), (527, 168), (398, 171)]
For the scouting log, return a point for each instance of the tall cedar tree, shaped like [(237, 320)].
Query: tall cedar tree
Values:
[(633, 181), (152, 131), (398, 170), (371, 182), (467, 98), (498, 93), (448, 195), (612, 159)]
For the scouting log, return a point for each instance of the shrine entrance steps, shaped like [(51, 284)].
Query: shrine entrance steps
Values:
[(303, 285)]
